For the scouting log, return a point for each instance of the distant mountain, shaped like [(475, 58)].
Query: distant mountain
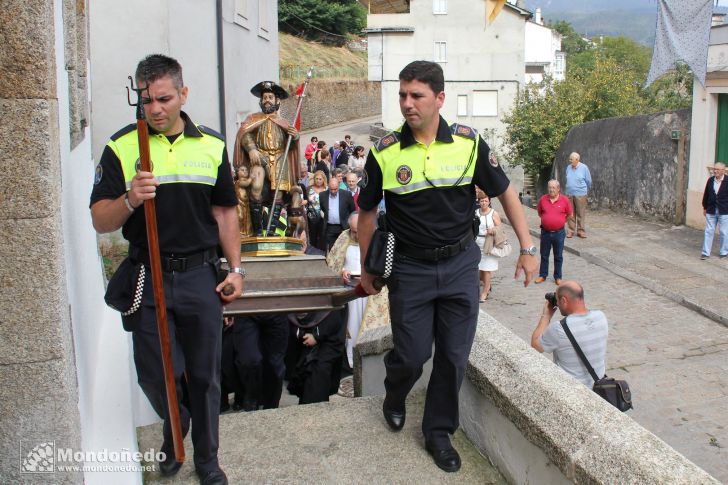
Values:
[(631, 18)]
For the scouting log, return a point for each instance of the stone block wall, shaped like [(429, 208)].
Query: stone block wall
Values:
[(328, 102), (39, 394), (632, 160)]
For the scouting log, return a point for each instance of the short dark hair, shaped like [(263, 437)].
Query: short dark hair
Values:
[(314, 138), (347, 136), (320, 143), (426, 72), (156, 66)]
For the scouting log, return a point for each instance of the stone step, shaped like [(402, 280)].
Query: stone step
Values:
[(341, 442)]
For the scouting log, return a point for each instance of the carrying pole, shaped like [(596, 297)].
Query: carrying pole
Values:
[(150, 214)]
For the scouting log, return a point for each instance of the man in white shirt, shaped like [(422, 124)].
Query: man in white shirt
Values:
[(589, 328), (715, 210)]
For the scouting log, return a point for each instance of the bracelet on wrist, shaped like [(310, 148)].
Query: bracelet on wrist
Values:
[(127, 203)]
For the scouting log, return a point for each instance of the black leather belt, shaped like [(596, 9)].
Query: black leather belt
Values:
[(175, 262), (433, 254), (557, 230)]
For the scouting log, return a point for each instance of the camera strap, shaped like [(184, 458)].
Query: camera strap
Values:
[(578, 349)]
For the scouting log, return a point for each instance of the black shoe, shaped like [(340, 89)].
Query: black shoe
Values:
[(395, 419), (445, 458), (170, 466), (215, 477)]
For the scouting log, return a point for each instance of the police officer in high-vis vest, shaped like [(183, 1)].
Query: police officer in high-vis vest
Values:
[(428, 171), (196, 212)]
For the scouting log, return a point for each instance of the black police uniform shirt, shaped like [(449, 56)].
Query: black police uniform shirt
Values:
[(433, 217), (184, 217)]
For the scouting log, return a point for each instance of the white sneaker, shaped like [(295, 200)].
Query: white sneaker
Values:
[(346, 387)]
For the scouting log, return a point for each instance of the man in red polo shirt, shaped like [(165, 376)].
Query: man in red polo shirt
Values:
[(554, 209)]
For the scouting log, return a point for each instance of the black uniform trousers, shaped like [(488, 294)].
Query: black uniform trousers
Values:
[(260, 348), (432, 301), (194, 316)]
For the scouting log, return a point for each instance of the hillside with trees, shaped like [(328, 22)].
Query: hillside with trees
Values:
[(603, 80), (326, 21)]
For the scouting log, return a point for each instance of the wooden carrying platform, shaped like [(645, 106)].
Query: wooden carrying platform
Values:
[(288, 284)]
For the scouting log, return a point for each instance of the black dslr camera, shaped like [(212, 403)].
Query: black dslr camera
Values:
[(551, 298)]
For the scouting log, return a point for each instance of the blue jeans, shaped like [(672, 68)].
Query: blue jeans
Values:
[(553, 240), (710, 221)]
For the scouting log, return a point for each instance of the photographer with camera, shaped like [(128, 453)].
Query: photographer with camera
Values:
[(589, 328)]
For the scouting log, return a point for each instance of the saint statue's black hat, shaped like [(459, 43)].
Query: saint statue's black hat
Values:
[(264, 86)]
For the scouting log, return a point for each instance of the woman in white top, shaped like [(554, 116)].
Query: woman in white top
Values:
[(489, 218), (358, 159)]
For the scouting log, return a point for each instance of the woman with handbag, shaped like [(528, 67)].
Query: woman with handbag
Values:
[(489, 219), (313, 211)]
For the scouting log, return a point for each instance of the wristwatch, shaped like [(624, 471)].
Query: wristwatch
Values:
[(239, 270), (529, 251)]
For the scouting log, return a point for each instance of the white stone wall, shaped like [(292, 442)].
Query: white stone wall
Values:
[(541, 46)]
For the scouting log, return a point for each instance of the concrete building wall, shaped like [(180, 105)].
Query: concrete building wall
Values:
[(186, 30), (633, 161), (478, 57)]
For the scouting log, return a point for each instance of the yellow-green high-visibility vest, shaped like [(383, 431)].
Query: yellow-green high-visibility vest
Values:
[(419, 167), (178, 162)]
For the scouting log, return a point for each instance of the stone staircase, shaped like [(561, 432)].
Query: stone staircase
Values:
[(339, 442)]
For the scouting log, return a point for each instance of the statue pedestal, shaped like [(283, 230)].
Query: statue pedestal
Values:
[(270, 246), (294, 284)]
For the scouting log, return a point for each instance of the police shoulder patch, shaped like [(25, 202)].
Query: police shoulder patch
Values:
[(127, 129), (99, 173), (464, 131), (209, 131), (388, 140)]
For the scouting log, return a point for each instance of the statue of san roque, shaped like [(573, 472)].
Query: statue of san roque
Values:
[(260, 146)]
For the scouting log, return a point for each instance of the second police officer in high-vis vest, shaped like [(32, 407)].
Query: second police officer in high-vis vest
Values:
[(427, 171)]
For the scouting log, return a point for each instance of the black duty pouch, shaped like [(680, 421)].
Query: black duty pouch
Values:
[(220, 273), (380, 255), (124, 292)]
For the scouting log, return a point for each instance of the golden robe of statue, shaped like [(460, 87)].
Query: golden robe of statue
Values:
[(267, 133)]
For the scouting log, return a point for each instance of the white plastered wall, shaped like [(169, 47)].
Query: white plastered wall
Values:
[(105, 379)]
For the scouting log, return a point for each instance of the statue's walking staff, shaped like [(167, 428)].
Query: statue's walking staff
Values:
[(150, 214), (284, 163)]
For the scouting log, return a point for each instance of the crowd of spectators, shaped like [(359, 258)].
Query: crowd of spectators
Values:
[(310, 352)]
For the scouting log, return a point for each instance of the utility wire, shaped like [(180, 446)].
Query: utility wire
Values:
[(311, 25)]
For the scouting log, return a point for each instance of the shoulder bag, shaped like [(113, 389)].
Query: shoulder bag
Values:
[(124, 292), (497, 243), (615, 392)]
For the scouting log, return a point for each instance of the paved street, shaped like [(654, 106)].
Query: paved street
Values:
[(674, 358)]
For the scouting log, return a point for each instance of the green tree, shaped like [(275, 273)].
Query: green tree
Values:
[(544, 113), (329, 21), (603, 80), (672, 91), (571, 41)]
